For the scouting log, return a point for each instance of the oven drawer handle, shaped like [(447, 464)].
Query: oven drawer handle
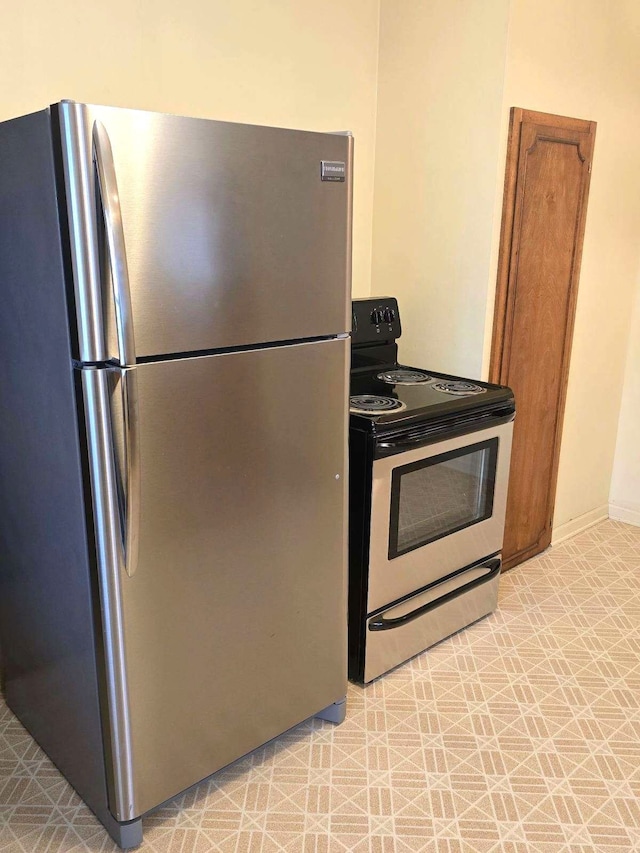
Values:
[(382, 624)]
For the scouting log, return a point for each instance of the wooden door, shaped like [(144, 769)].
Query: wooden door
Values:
[(543, 219)]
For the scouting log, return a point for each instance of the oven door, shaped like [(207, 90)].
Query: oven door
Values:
[(436, 509)]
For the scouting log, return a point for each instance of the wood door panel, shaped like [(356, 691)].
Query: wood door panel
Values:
[(543, 224)]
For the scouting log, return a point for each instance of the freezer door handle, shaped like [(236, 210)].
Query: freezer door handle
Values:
[(108, 184)]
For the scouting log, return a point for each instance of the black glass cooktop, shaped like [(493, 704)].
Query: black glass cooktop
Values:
[(385, 392), (440, 395)]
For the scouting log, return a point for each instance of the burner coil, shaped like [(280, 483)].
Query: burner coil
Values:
[(370, 404), (405, 376), (459, 388)]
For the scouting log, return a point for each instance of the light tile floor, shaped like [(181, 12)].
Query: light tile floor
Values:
[(520, 734)]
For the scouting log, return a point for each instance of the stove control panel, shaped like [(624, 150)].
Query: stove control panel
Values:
[(375, 320)]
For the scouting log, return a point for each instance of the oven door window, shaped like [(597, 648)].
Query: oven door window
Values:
[(440, 495)]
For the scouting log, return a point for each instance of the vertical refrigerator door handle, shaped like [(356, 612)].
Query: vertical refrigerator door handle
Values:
[(131, 480), (110, 198), (104, 487), (105, 168)]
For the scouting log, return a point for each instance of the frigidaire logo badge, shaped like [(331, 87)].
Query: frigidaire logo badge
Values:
[(332, 170)]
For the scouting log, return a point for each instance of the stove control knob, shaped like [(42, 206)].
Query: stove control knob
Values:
[(389, 315), (377, 316)]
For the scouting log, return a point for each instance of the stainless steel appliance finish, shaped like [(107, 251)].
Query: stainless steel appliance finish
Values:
[(111, 564), (428, 488), (443, 609), (170, 286), (240, 578), (392, 577), (231, 236)]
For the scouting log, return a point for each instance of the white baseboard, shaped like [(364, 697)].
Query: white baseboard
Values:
[(577, 525), (625, 512)]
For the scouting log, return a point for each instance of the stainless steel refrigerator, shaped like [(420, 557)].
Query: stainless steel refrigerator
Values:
[(173, 379)]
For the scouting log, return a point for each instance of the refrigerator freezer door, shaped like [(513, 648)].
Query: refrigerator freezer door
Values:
[(232, 235), (233, 627)]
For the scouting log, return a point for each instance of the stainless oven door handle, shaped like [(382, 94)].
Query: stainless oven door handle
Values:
[(384, 624)]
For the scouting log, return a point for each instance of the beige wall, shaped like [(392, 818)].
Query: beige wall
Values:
[(297, 63), (440, 81), (624, 500), (447, 77), (580, 58), (449, 71)]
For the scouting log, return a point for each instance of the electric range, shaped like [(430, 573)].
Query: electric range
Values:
[(429, 464)]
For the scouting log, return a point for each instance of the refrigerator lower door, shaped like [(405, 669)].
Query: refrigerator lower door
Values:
[(232, 628)]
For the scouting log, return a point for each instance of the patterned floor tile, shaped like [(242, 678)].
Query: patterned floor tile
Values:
[(520, 734)]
